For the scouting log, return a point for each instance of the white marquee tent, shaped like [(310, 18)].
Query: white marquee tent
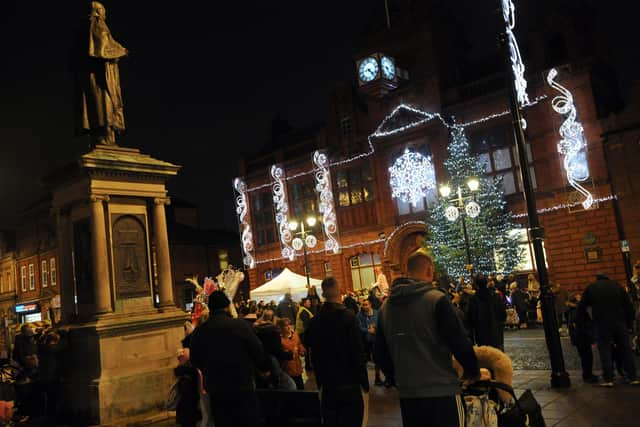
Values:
[(286, 281)]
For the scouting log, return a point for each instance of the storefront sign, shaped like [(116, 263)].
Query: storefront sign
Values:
[(24, 308)]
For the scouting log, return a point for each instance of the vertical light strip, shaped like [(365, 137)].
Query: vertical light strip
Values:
[(327, 206), (572, 145), (281, 203), (242, 210), (509, 15)]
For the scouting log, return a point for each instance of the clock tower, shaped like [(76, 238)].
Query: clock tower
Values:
[(377, 74)]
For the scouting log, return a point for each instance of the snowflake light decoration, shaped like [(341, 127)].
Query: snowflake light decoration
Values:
[(472, 209), (411, 176), (451, 213)]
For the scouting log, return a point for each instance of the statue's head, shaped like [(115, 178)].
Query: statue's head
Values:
[(97, 10)]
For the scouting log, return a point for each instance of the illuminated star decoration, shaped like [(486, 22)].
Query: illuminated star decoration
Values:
[(411, 176), (572, 145), (509, 15)]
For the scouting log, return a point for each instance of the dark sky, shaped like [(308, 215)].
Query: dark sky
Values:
[(201, 84)]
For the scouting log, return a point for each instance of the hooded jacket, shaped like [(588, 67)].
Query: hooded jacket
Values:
[(417, 333)]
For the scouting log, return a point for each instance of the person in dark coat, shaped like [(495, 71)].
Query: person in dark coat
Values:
[(613, 318), (485, 316), (520, 301), (351, 303), (287, 308), (187, 410), (49, 372), (228, 352), (339, 360), (581, 334)]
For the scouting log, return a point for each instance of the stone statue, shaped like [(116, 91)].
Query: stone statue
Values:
[(100, 111)]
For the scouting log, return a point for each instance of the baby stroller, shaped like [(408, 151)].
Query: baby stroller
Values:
[(484, 408)]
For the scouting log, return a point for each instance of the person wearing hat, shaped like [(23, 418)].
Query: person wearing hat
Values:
[(227, 351)]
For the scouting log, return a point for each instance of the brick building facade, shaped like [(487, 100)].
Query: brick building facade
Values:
[(367, 128)]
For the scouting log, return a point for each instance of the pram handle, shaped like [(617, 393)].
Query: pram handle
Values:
[(495, 384)]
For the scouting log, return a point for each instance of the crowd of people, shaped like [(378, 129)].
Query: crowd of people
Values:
[(408, 334)]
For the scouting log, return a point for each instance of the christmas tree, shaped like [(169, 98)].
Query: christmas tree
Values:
[(492, 242)]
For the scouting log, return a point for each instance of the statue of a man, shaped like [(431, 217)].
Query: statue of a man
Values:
[(100, 111)]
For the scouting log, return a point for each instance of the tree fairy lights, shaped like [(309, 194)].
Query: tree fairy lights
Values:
[(509, 15), (327, 206), (242, 210), (411, 176), (488, 221), (572, 145), (280, 201)]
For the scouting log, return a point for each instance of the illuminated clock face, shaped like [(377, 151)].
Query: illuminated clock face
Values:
[(368, 69), (388, 68)]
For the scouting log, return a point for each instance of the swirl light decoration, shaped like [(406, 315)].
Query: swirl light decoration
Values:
[(280, 202), (572, 145), (509, 15), (411, 177), (326, 207), (242, 210)]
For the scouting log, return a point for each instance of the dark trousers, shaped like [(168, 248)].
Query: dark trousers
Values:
[(446, 411), (234, 409), (342, 406), (299, 382), (618, 335), (586, 358)]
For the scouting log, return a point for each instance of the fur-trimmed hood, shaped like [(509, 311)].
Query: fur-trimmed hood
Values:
[(495, 361)]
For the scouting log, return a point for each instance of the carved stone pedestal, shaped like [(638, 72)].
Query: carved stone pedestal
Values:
[(122, 326)]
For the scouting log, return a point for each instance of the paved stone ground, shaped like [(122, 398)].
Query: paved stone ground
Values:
[(581, 405)]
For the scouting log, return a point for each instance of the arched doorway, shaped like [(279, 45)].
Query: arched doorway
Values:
[(403, 242)]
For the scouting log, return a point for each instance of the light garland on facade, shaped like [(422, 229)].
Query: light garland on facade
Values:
[(242, 210), (280, 201), (561, 206), (572, 145), (411, 176), (509, 15), (327, 206)]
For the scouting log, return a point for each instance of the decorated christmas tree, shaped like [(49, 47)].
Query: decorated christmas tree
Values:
[(492, 241)]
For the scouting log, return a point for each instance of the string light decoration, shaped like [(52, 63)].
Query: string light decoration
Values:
[(509, 15), (561, 206), (488, 224), (411, 176), (326, 206), (242, 210), (280, 201), (572, 145)]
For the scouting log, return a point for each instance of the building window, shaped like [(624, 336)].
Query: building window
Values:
[(263, 219), (303, 198), (23, 278), (32, 277), (498, 156), (327, 268), (223, 259), (405, 208), (525, 246), (345, 126), (355, 185), (52, 271), (363, 270), (45, 274)]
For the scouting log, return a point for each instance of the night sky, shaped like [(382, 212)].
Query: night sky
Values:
[(202, 82)]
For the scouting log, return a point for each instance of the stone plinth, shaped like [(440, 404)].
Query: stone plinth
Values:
[(116, 285)]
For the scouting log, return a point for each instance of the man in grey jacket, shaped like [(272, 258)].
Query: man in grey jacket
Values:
[(418, 332)]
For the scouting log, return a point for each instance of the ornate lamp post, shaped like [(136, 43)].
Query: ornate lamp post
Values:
[(471, 209), (305, 240), (517, 97)]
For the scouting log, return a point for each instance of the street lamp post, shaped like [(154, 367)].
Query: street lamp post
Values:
[(445, 191), (302, 242), (559, 376)]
